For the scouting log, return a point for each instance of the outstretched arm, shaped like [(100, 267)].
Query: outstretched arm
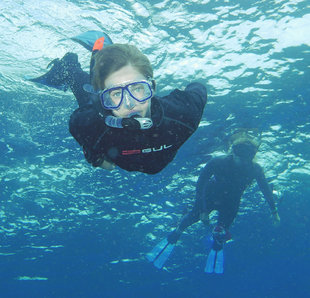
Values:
[(88, 128), (267, 192), (186, 106), (198, 99)]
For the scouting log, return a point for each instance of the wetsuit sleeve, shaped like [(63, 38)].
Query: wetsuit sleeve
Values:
[(198, 99), (88, 128), (264, 186), (201, 188), (187, 106), (79, 78)]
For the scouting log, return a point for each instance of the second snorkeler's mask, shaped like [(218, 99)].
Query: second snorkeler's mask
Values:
[(245, 150), (245, 143)]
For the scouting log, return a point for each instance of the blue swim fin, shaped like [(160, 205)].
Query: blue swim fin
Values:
[(160, 253), (219, 263), (215, 262), (88, 39), (210, 261)]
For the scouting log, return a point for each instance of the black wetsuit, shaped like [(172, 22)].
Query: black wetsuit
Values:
[(220, 187), (175, 118)]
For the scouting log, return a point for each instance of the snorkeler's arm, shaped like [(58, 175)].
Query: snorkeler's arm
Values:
[(198, 92), (186, 106), (266, 190), (195, 101), (88, 128), (107, 165)]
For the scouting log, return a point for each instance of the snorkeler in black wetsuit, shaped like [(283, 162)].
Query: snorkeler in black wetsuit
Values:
[(120, 121), (222, 183), (219, 188)]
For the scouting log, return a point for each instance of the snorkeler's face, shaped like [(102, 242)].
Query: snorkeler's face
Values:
[(244, 152), (129, 106)]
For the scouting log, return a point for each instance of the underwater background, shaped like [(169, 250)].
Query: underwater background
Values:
[(69, 230)]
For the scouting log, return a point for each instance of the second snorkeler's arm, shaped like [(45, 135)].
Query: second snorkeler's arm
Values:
[(267, 192)]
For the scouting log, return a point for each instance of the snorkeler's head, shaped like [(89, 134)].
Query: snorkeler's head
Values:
[(123, 79), (244, 145), (115, 57)]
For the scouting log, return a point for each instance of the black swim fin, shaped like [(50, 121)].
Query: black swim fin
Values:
[(88, 39), (60, 74)]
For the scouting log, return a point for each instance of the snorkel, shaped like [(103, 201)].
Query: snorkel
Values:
[(130, 123)]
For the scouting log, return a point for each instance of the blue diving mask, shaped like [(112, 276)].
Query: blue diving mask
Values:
[(112, 98)]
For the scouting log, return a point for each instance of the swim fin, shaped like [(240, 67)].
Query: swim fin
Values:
[(215, 262), (59, 75), (160, 253), (88, 39)]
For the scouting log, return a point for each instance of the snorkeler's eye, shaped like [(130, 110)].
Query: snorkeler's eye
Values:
[(115, 94), (137, 90)]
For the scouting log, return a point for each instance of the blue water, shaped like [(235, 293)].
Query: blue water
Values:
[(69, 230)]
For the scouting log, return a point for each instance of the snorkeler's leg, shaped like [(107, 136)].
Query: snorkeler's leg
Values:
[(220, 235), (78, 80), (215, 260)]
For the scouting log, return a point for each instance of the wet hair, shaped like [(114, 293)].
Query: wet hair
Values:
[(114, 57)]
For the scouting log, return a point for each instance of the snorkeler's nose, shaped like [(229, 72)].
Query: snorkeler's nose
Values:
[(129, 102)]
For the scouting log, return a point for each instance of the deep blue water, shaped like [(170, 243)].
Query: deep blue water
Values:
[(69, 230)]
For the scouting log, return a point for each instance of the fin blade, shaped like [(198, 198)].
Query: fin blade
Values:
[(163, 257), (43, 81), (219, 263), (87, 39), (210, 261), (160, 253), (151, 256)]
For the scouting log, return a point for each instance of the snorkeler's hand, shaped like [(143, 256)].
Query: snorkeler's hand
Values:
[(204, 217), (276, 219), (107, 165)]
